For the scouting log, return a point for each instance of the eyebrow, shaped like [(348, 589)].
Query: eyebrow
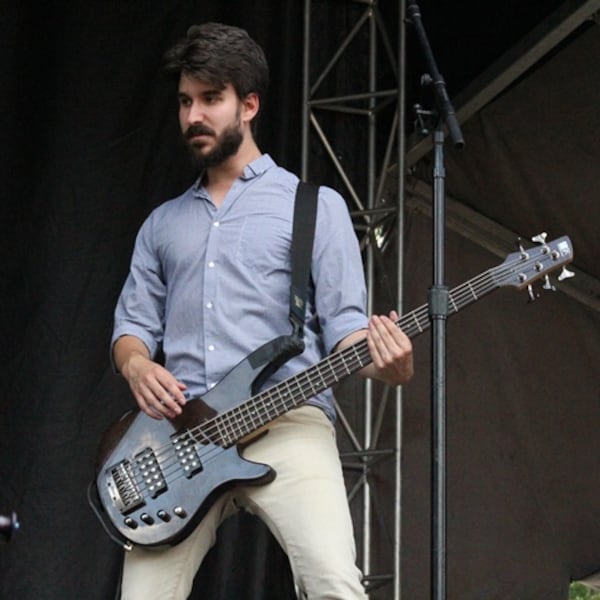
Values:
[(207, 92)]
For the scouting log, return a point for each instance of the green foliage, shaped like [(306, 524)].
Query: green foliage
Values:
[(579, 591)]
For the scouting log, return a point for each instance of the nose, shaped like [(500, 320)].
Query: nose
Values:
[(193, 113), (197, 112)]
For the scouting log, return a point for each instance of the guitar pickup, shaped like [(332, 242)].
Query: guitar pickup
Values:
[(184, 445), (150, 472)]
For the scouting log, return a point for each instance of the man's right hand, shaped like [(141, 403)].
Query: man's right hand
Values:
[(155, 390)]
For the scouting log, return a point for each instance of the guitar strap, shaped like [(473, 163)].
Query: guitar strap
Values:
[(303, 234)]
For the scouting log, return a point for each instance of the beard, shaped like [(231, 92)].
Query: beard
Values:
[(227, 144)]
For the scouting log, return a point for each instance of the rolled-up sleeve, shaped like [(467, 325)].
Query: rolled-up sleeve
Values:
[(338, 271), (141, 306)]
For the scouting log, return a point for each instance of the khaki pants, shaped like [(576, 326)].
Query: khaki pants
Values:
[(305, 508)]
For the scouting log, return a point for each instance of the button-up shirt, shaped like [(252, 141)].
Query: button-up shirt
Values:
[(208, 285)]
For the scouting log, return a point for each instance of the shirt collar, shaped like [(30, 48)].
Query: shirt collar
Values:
[(257, 167)]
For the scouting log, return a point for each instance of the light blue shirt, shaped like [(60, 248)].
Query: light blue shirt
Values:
[(209, 285)]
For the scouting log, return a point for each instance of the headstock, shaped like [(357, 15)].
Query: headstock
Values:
[(521, 269)]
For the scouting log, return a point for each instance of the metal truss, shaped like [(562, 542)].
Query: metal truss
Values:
[(370, 455)]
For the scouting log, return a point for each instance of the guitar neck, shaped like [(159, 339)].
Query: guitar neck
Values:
[(273, 402)]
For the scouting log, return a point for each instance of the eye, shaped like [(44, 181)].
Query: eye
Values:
[(212, 98), (184, 101)]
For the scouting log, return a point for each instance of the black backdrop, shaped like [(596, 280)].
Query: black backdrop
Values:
[(89, 146)]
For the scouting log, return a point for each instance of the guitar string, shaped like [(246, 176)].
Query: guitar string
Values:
[(210, 429), (463, 292), (338, 357), (207, 454)]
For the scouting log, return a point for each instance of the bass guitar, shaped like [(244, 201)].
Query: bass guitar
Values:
[(156, 479)]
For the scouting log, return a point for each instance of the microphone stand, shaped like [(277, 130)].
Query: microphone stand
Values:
[(438, 303)]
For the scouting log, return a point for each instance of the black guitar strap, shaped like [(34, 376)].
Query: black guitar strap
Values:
[(303, 234)]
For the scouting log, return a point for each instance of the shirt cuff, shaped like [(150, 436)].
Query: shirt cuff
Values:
[(338, 329), (136, 331)]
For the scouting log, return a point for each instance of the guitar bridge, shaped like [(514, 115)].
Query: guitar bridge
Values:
[(122, 487)]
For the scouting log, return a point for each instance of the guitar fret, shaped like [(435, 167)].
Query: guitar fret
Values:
[(323, 381), (306, 388), (248, 420), (358, 357), (230, 425), (277, 390), (265, 406), (451, 299), (289, 393), (280, 403), (221, 431), (417, 322), (237, 424), (343, 359), (312, 390), (300, 390), (472, 290), (272, 410), (335, 377), (219, 423)]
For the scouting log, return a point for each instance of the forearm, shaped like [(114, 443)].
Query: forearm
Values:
[(126, 348)]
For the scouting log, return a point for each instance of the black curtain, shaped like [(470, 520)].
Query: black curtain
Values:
[(90, 144)]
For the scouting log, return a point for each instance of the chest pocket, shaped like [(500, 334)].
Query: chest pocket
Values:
[(264, 244)]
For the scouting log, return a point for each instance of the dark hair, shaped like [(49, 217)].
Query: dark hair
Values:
[(220, 54)]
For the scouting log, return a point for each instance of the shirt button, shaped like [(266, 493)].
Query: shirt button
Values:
[(211, 348), (216, 224), (211, 265), (209, 305), (211, 385)]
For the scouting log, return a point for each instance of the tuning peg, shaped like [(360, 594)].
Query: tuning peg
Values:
[(524, 254), (540, 238), (565, 274), (548, 285), (532, 295)]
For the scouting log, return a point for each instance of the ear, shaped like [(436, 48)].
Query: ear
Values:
[(250, 107)]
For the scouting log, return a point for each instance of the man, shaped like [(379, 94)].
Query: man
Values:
[(210, 283)]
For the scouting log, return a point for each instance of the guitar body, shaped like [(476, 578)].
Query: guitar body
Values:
[(157, 479)]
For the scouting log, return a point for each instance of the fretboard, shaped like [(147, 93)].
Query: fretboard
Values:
[(235, 423)]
